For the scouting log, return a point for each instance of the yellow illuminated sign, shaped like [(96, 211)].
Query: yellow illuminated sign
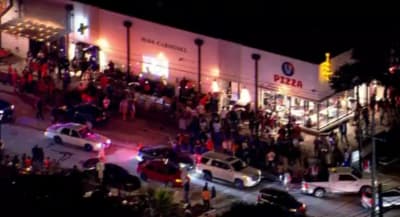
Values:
[(325, 69)]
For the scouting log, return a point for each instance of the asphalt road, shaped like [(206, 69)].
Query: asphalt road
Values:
[(19, 139), (21, 136)]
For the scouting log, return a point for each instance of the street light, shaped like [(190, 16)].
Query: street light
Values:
[(199, 42), (128, 25)]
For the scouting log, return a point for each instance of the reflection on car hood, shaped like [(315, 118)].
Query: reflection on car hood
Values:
[(96, 138), (250, 171)]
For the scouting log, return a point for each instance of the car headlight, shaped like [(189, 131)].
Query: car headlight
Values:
[(182, 165), (246, 178), (1, 111), (99, 145), (139, 158), (12, 107)]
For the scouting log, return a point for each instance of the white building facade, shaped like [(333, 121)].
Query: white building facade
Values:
[(286, 85)]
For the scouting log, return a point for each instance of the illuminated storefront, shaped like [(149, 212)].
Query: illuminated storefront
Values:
[(287, 87), (301, 96)]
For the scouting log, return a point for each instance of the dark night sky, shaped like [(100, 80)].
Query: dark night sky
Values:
[(301, 30)]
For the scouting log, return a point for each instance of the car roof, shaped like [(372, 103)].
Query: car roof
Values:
[(74, 126), (219, 156), (274, 191), (153, 147)]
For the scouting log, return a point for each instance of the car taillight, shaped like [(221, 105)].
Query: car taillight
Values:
[(197, 158), (304, 186), (302, 208)]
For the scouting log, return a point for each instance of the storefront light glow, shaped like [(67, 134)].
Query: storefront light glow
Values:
[(245, 97), (214, 86), (103, 43), (71, 51), (158, 66)]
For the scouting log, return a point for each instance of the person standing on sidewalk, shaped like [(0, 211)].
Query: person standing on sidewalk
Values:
[(205, 194), (39, 109), (343, 133)]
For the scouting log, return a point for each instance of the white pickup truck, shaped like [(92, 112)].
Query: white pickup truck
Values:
[(339, 180)]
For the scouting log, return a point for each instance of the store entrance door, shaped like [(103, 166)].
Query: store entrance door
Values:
[(86, 56)]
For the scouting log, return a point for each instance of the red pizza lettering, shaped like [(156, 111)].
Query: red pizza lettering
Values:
[(276, 78)]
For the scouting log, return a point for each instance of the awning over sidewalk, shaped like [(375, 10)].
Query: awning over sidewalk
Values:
[(34, 30)]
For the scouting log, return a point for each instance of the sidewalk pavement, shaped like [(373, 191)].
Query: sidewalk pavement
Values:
[(123, 133)]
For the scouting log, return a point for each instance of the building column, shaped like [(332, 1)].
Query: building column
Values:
[(256, 57), (128, 25), (199, 42)]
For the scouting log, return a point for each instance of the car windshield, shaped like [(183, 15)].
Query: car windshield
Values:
[(239, 165), (85, 132)]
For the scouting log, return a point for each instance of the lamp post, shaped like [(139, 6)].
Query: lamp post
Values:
[(128, 25), (256, 57), (199, 42)]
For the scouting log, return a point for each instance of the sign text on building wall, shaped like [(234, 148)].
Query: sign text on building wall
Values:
[(163, 44), (288, 70), (288, 81)]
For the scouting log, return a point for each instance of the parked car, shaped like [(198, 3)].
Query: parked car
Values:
[(80, 114), (182, 159), (228, 168), (162, 171), (338, 180), (115, 176), (6, 110), (78, 135), (390, 198), (281, 199)]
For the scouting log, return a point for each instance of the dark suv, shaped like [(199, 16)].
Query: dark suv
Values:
[(182, 159), (281, 199), (80, 114)]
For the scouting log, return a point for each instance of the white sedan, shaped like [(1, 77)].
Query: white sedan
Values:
[(78, 135)]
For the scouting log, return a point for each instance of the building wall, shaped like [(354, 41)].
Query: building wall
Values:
[(222, 60), (302, 83)]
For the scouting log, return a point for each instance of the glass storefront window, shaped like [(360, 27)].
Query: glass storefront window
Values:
[(307, 113)]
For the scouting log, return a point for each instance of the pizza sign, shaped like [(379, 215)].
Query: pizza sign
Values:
[(5, 5)]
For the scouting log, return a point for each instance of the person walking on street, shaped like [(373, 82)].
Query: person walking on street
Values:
[(39, 109), (343, 133), (205, 194), (186, 191), (287, 179), (123, 108)]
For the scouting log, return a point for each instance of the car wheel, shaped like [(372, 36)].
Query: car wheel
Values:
[(319, 192), (207, 176), (57, 140), (143, 177), (238, 184), (88, 147)]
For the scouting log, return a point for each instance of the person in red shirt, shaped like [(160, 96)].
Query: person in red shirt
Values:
[(46, 163)]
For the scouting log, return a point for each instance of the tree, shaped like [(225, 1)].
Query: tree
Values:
[(371, 61)]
